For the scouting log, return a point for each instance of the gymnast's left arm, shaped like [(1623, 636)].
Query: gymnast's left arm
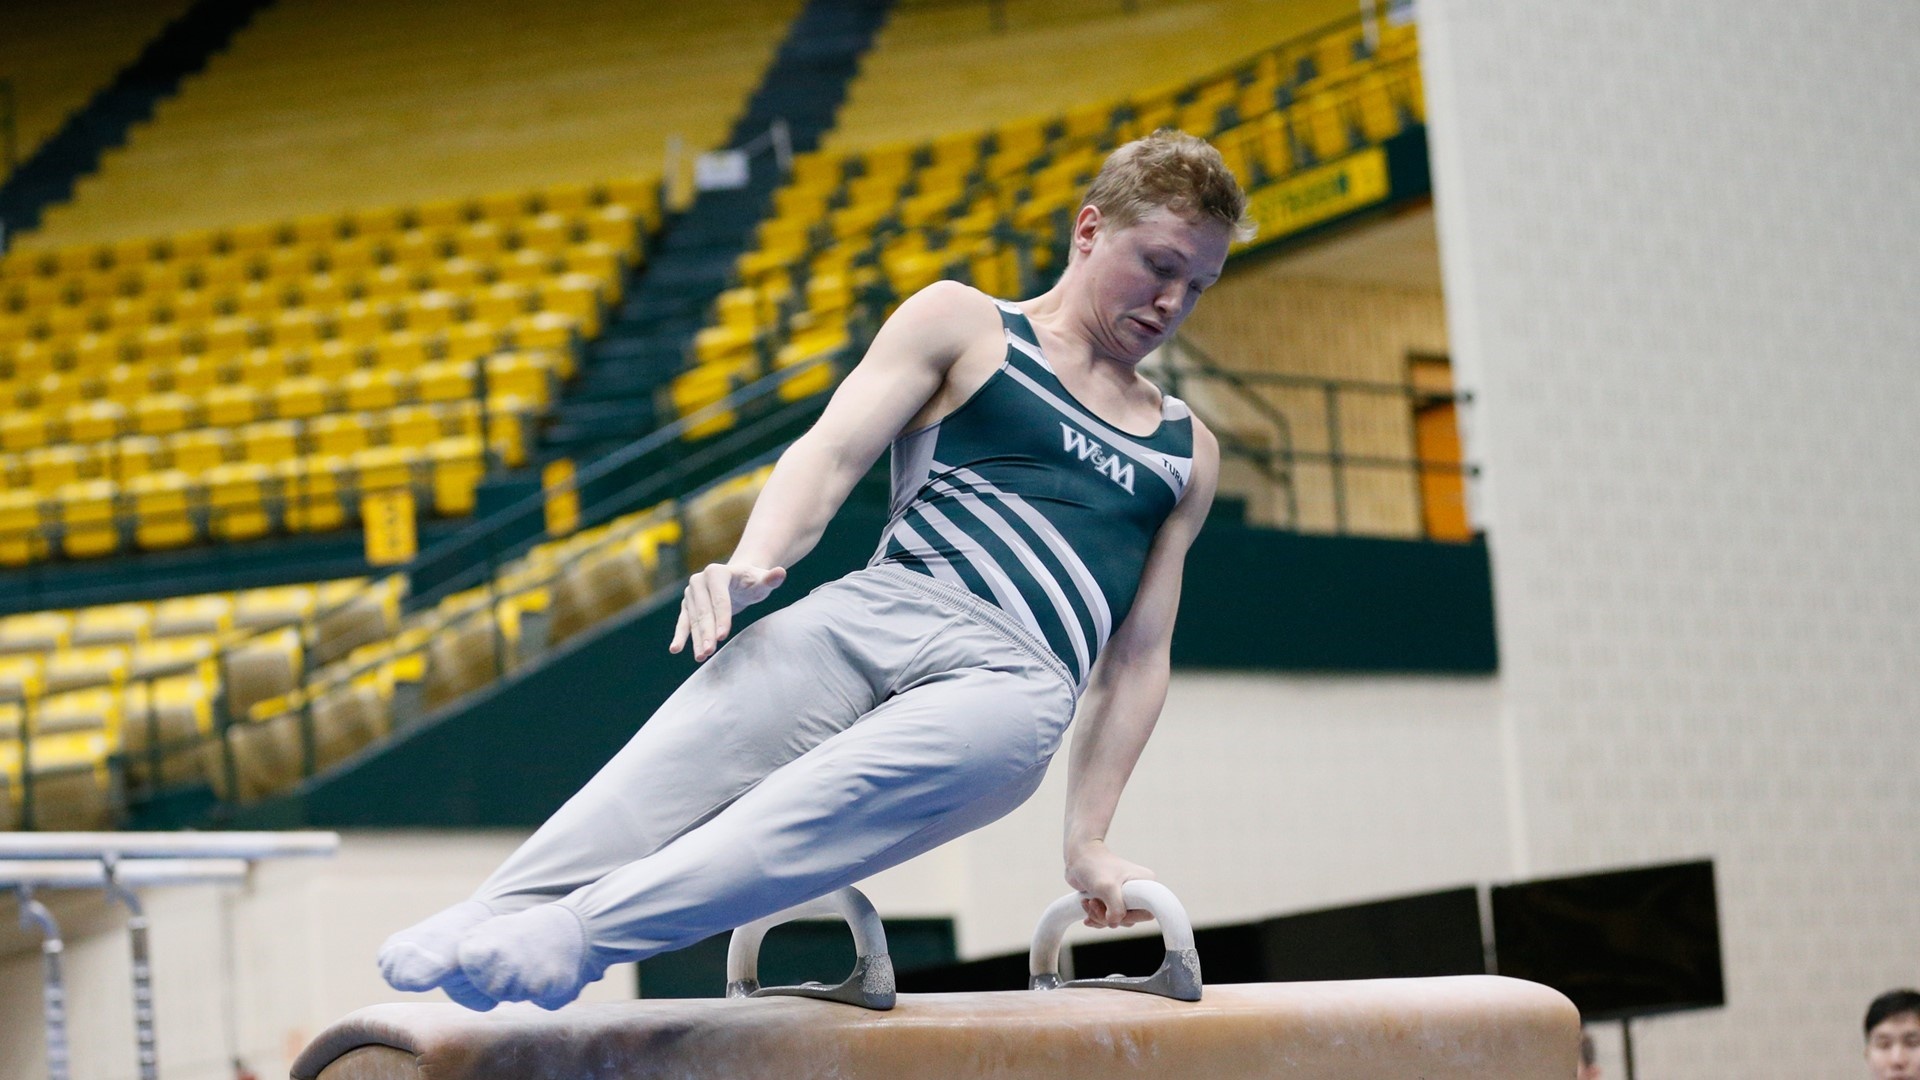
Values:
[(1121, 704)]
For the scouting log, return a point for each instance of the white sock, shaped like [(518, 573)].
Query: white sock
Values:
[(423, 955), (537, 955)]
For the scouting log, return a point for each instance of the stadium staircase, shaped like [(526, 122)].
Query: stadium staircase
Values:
[(47, 176), (647, 341)]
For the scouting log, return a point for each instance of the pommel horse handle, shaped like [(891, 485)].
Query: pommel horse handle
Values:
[(1179, 974), (870, 986)]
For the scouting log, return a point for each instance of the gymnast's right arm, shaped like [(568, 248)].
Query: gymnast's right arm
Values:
[(903, 369)]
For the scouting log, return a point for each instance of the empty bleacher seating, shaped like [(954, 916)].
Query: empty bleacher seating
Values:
[(326, 107), (856, 230), (223, 386)]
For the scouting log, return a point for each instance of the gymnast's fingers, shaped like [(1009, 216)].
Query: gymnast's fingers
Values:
[(700, 617), (679, 629), (719, 583)]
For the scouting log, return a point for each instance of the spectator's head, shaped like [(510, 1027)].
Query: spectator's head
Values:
[(1589, 1061), (1893, 1036)]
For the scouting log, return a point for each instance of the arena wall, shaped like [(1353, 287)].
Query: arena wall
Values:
[(1678, 250)]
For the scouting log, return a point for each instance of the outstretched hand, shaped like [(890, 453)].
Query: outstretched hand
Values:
[(712, 597), (1099, 873)]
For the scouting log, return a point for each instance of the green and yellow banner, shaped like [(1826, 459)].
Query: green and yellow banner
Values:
[(1317, 195)]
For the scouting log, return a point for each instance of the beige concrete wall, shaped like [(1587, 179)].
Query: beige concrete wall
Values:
[(1267, 318)]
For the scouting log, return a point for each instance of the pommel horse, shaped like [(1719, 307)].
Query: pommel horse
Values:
[(1160, 1026)]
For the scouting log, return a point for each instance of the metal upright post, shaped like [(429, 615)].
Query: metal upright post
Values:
[(146, 1056), (34, 915), (1626, 1044)]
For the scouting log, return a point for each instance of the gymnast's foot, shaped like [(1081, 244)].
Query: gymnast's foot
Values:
[(538, 955), (427, 954)]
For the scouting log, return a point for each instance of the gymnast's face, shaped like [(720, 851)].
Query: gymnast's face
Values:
[(1893, 1048), (1143, 279)]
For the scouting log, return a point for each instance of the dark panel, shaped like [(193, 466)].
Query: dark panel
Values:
[(1623, 943), (1283, 601), (1402, 938)]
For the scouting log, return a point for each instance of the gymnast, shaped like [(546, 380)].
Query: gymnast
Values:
[(1045, 494)]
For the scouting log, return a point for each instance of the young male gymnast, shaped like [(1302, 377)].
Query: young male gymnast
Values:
[(1044, 497)]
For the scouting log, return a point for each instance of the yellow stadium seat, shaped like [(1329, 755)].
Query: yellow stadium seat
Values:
[(545, 330), (1379, 119), (402, 350), (299, 398), (502, 303), (192, 615), (322, 292), (95, 421), (162, 510), (510, 429), (237, 501), (20, 680), (526, 267), (22, 528), (699, 387), (260, 302), (445, 381), (166, 722), (351, 257), (88, 527), (24, 430), (77, 667), (338, 434), (456, 275), (231, 406), (111, 624), (616, 226), (414, 250), (192, 375), (430, 312), (90, 708), (458, 465), (458, 417), (135, 455), (54, 467), (367, 390), (481, 242), (597, 260), (529, 376), (295, 329), (575, 295), (232, 334), (127, 384), (161, 655), (265, 369), (59, 392), (194, 452), (1325, 129), (471, 341), (270, 442), (332, 360), (163, 414), (362, 322), (413, 427), (549, 233), (382, 468), (438, 214), (313, 491), (35, 632)]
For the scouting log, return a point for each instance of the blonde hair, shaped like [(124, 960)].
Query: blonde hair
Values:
[(1169, 169)]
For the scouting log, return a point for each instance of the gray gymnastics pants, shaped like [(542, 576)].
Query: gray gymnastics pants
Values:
[(874, 719)]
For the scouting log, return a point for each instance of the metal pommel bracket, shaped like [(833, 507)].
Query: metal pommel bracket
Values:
[(1179, 974), (870, 986)]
